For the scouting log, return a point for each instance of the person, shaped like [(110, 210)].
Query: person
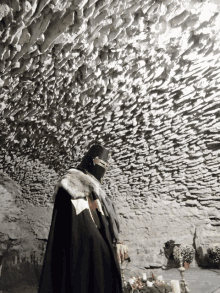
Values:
[(83, 252)]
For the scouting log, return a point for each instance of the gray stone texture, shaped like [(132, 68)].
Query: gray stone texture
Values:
[(24, 230), (139, 77)]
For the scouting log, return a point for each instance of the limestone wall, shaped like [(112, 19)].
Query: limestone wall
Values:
[(23, 232), (140, 77)]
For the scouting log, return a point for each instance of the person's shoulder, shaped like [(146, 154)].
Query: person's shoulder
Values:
[(71, 183), (77, 184)]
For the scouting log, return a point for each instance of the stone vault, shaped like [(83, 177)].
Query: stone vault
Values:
[(140, 77)]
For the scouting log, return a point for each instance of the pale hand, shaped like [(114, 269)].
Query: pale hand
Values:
[(122, 252)]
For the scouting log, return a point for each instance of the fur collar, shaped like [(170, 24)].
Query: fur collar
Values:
[(78, 184)]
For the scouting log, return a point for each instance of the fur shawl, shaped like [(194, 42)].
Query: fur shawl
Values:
[(80, 185)]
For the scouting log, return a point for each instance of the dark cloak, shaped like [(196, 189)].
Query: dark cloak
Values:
[(79, 256)]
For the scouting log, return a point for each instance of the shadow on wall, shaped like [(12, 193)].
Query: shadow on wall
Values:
[(23, 237), (168, 251), (203, 259), (19, 273), (199, 257)]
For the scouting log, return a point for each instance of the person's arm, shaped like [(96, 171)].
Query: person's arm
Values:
[(121, 248)]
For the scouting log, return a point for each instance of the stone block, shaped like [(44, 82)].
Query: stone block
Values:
[(150, 258), (124, 210)]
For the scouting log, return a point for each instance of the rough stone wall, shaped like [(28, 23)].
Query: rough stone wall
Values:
[(23, 232), (140, 77)]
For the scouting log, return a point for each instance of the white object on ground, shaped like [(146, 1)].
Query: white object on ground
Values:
[(131, 281), (175, 286), (160, 278), (144, 276), (149, 284)]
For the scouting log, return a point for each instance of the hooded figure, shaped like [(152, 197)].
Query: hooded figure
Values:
[(80, 254)]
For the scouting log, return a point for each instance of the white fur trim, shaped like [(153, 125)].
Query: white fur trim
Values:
[(65, 183), (86, 177), (78, 184)]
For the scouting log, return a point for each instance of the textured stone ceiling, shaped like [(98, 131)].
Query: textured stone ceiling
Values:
[(140, 77)]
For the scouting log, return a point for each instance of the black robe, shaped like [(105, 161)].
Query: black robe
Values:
[(79, 257)]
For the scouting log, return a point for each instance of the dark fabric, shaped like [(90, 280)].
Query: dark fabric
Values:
[(109, 210), (79, 257)]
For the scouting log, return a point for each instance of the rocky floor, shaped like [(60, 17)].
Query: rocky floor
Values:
[(198, 281)]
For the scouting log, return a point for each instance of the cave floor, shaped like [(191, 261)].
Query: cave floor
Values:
[(198, 280)]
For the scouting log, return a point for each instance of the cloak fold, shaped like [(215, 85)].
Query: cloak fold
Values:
[(79, 256)]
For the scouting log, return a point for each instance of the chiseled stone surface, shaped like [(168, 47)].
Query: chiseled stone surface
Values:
[(23, 233), (140, 77)]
